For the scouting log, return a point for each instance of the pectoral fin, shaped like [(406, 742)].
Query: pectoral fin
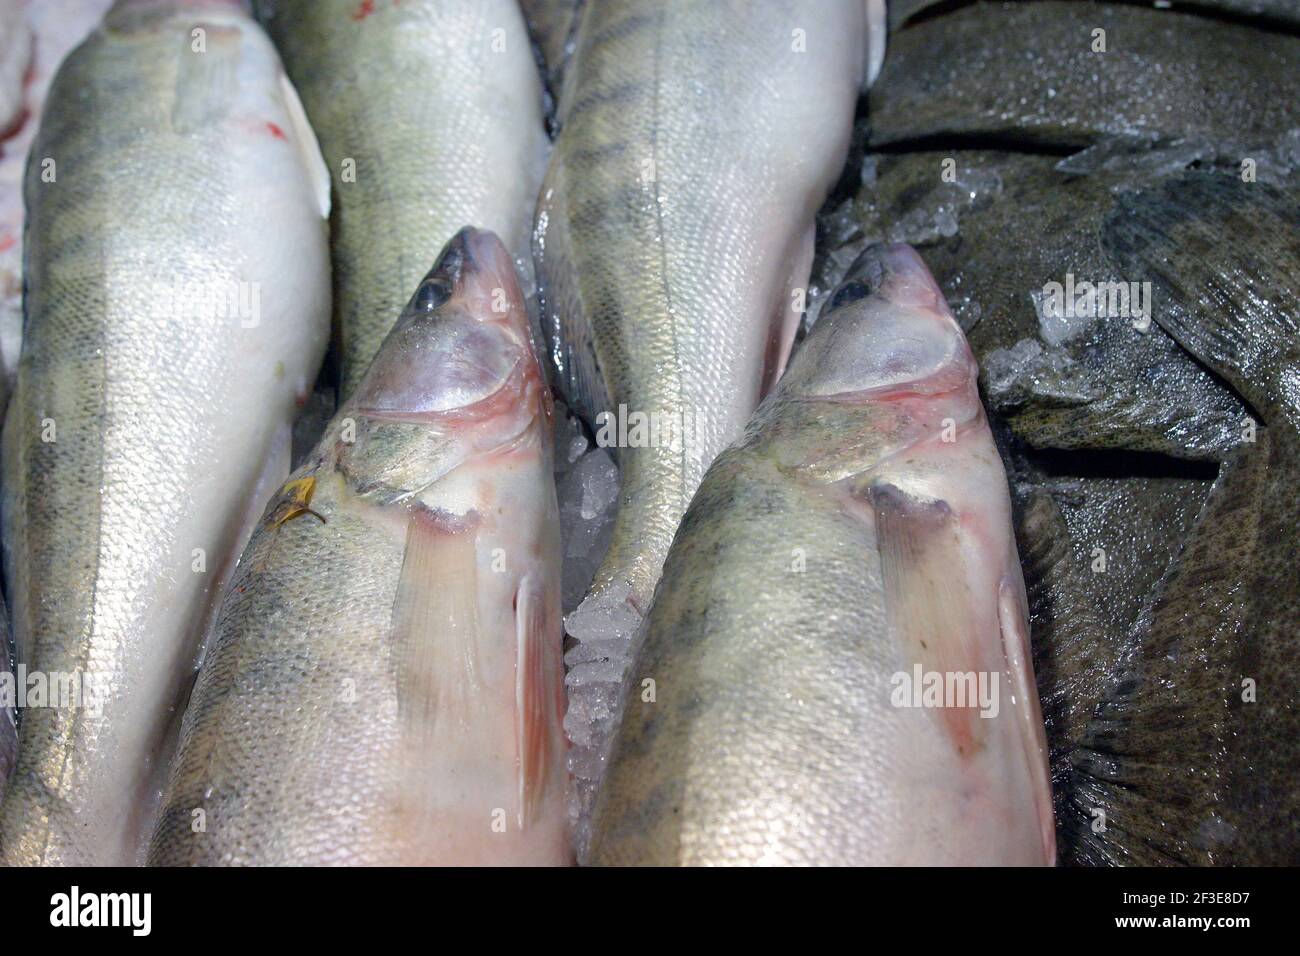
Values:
[(436, 630), (927, 600), (539, 680), (1028, 715)]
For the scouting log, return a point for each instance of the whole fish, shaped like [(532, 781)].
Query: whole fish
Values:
[(177, 310), (673, 242), (386, 685), (429, 113), (851, 549)]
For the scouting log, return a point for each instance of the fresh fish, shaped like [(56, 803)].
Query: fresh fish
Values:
[(386, 685), (40, 32), (1044, 79), (856, 539), (15, 57), (1096, 534), (429, 113), (177, 309), (1192, 756), (1267, 12), (673, 241)]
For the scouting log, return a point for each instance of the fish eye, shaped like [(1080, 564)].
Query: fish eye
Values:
[(431, 294), (849, 292)]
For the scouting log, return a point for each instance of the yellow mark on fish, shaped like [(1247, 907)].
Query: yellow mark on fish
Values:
[(293, 501)]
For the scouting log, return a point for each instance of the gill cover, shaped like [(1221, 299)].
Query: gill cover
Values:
[(885, 331), (458, 344)]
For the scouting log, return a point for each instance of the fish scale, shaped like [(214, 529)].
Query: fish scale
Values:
[(142, 420), (762, 728), (438, 104), (675, 223)]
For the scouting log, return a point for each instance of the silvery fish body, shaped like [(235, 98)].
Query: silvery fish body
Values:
[(177, 310), (429, 113), (385, 684), (836, 668), (673, 244)]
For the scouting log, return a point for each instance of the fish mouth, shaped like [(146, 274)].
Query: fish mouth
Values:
[(475, 261), (894, 271), (886, 335)]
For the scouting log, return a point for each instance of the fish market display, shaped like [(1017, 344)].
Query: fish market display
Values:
[(651, 432), (176, 310), (429, 114), (674, 239), (385, 684), (774, 732)]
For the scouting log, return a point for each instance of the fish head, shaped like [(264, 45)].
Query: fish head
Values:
[(887, 340), (456, 377)]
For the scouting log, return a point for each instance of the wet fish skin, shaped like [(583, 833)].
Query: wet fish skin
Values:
[(386, 685), (1188, 765), (697, 140), (1018, 223), (142, 418), (1164, 74), (646, 301), (903, 12), (771, 736), (437, 106), (552, 24), (8, 727), (52, 28)]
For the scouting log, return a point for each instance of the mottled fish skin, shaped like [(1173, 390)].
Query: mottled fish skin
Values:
[(1192, 756), (47, 30), (697, 140), (144, 414), (1015, 224), (1163, 75), (1083, 602), (429, 113), (385, 684), (867, 483)]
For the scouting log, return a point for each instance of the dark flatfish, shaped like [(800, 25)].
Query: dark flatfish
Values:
[(1192, 756)]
